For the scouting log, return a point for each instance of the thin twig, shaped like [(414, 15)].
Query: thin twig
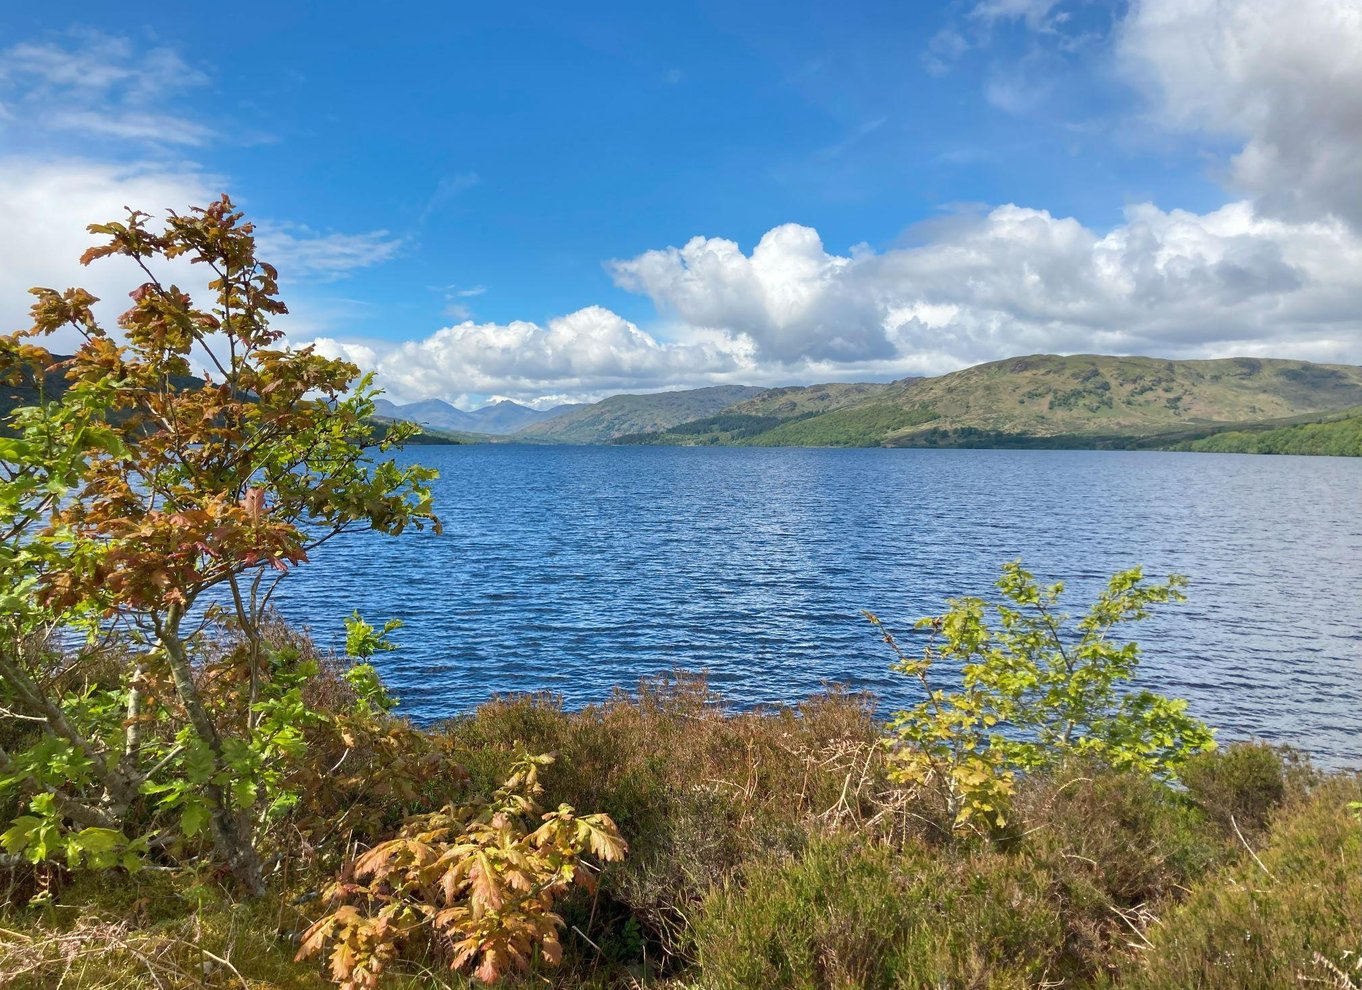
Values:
[(1250, 849)]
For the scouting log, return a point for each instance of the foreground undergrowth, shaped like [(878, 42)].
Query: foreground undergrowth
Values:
[(773, 850)]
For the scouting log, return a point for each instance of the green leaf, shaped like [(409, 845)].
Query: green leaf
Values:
[(193, 816)]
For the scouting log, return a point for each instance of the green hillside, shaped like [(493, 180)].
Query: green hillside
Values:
[(861, 426), (796, 400), (621, 415), (1336, 436), (1046, 395), (1046, 400), (1234, 404)]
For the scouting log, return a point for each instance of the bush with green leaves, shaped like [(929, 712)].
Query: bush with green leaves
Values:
[(1284, 914), (1034, 688)]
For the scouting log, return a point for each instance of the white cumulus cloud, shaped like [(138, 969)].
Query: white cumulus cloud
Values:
[(1016, 280), (300, 252), (1274, 85), (590, 351), (978, 288), (794, 300), (1282, 76)]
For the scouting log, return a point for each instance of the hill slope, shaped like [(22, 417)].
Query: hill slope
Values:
[(802, 400), (1046, 395), (619, 415), (1045, 400), (1337, 436)]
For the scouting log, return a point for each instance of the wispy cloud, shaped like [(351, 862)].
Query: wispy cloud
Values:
[(456, 300), (304, 253), (855, 137), (945, 48), (446, 190), (93, 84), (1038, 15), (105, 122), (1046, 32)]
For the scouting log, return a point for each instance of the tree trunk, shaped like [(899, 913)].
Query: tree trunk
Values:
[(231, 826)]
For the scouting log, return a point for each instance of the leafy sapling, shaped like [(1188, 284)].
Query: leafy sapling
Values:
[(362, 641), (1033, 688)]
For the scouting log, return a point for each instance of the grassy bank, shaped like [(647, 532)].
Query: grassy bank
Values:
[(772, 850)]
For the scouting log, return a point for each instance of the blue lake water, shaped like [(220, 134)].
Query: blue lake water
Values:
[(579, 569)]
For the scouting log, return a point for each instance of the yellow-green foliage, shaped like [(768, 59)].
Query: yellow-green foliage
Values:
[(1033, 691)]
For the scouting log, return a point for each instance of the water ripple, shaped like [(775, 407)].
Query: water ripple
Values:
[(579, 569)]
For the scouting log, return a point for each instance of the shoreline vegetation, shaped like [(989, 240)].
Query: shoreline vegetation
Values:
[(773, 849), (192, 795)]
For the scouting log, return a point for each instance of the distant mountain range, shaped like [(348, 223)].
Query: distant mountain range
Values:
[(1041, 400), (498, 419), (619, 415)]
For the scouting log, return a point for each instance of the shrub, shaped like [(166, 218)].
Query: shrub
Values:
[(850, 914), (1239, 786), (149, 510), (1260, 924), (695, 789), (1135, 837), (1032, 692), (1112, 842), (479, 881)]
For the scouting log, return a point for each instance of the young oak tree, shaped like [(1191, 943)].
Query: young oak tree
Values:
[(154, 508), (1032, 689)]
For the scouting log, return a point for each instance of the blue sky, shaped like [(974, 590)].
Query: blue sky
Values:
[(984, 178)]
